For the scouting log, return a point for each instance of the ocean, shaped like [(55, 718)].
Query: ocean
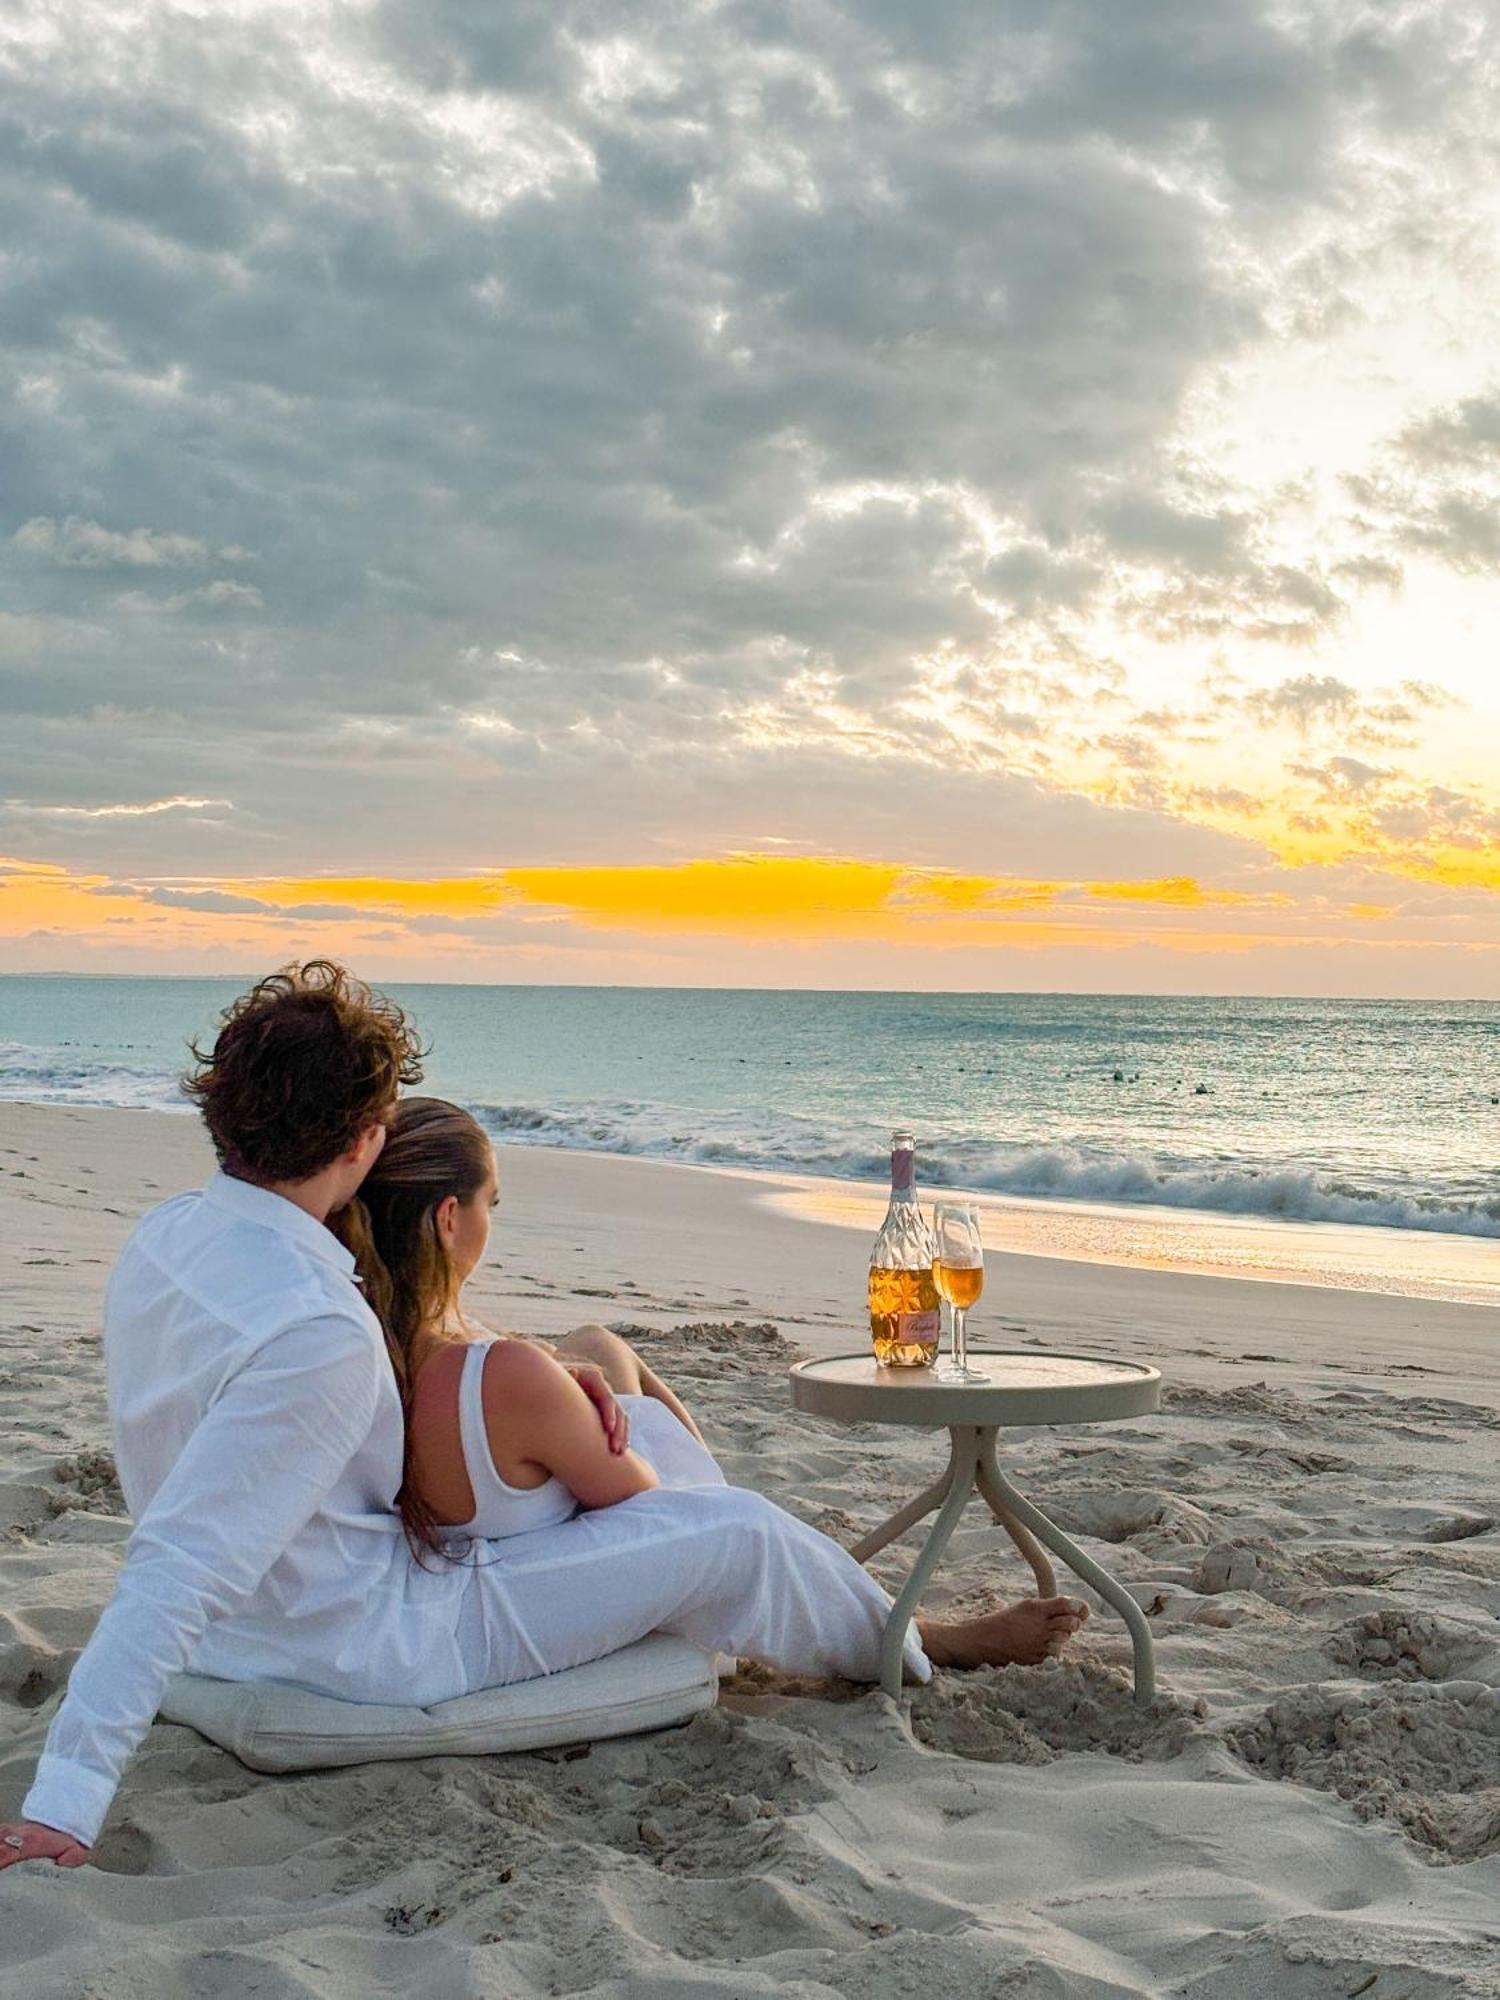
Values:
[(1370, 1114)]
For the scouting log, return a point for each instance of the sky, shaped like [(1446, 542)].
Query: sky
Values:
[(783, 492)]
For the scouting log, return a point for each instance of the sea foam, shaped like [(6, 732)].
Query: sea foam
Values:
[(781, 1144), (32, 1075)]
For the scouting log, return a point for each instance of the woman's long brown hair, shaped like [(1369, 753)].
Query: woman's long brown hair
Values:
[(432, 1150)]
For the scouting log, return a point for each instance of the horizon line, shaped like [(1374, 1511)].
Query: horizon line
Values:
[(848, 992)]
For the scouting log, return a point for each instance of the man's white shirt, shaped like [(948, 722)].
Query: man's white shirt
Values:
[(258, 1437)]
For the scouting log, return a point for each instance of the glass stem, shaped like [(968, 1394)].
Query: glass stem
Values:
[(960, 1338)]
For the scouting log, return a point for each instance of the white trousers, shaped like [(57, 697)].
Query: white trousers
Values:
[(668, 1446), (715, 1564)]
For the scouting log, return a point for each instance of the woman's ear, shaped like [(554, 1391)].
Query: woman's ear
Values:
[(446, 1217)]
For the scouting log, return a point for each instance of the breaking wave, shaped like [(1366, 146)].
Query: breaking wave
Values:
[(780, 1142), (31, 1075), (775, 1142)]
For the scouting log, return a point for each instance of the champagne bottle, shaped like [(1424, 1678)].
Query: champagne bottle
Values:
[(903, 1297)]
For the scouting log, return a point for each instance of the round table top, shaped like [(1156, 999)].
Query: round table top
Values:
[(1031, 1387)]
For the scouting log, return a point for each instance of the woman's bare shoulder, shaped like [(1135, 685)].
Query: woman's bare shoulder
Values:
[(515, 1371)]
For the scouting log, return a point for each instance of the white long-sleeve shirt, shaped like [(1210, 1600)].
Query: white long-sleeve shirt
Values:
[(258, 1437)]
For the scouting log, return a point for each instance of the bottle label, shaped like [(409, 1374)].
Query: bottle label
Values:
[(903, 1170), (916, 1329)]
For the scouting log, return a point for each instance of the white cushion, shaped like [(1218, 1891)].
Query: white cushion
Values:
[(273, 1727)]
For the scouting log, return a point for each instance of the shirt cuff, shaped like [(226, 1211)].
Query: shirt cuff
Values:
[(69, 1797)]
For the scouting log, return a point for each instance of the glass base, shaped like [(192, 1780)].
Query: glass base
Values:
[(949, 1371)]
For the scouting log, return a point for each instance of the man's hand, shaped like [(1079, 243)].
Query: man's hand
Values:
[(590, 1378), (28, 1840)]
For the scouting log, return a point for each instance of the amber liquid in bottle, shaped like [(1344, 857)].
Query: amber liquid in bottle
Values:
[(903, 1296), (903, 1318)]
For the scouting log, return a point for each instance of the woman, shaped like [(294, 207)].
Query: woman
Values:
[(502, 1435)]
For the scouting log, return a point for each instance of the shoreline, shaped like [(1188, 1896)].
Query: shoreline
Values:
[(1385, 1259), (1257, 1249), (599, 1235)]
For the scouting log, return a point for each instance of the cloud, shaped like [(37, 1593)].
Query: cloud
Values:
[(148, 810), (85, 545), (217, 900), (643, 440), (1305, 701), (1432, 489), (1182, 893), (223, 594), (1308, 703), (1465, 433), (1343, 777)]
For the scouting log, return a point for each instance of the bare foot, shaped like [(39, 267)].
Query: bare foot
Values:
[(1020, 1635)]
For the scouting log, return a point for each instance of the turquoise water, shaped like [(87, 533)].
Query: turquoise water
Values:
[(1372, 1112)]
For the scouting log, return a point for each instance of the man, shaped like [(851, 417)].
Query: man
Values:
[(259, 1438)]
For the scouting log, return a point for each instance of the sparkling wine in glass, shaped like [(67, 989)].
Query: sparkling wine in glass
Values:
[(958, 1273)]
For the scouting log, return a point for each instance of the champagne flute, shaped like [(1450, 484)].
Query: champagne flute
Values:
[(958, 1273)]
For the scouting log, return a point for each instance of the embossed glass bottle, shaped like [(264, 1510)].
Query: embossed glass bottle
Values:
[(903, 1297)]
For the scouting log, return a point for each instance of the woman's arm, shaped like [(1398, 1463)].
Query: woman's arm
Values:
[(535, 1413), (257, 1467)]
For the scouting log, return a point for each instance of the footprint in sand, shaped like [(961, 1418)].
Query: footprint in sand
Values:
[(1424, 1756), (1406, 1645), (30, 1673), (1457, 1527), (127, 1849), (1147, 1519), (1230, 1567), (24, 1506), (1018, 1715)]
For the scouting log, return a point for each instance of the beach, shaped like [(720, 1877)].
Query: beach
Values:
[(1311, 1808)]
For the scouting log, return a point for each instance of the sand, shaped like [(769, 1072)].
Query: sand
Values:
[(1311, 1809)]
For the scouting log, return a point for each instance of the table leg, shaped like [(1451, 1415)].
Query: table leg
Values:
[(960, 1485), (914, 1511), (928, 1502), (993, 1484), (1041, 1569)]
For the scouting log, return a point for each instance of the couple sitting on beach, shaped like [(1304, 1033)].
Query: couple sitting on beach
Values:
[(338, 1480)]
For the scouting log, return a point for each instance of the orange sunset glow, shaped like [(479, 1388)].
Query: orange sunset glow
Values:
[(739, 901)]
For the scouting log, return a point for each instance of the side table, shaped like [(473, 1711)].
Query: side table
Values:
[(1031, 1387)]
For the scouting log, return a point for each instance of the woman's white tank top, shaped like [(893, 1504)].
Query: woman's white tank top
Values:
[(499, 1508)]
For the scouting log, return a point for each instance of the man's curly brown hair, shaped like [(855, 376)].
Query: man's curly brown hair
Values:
[(302, 1064)]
